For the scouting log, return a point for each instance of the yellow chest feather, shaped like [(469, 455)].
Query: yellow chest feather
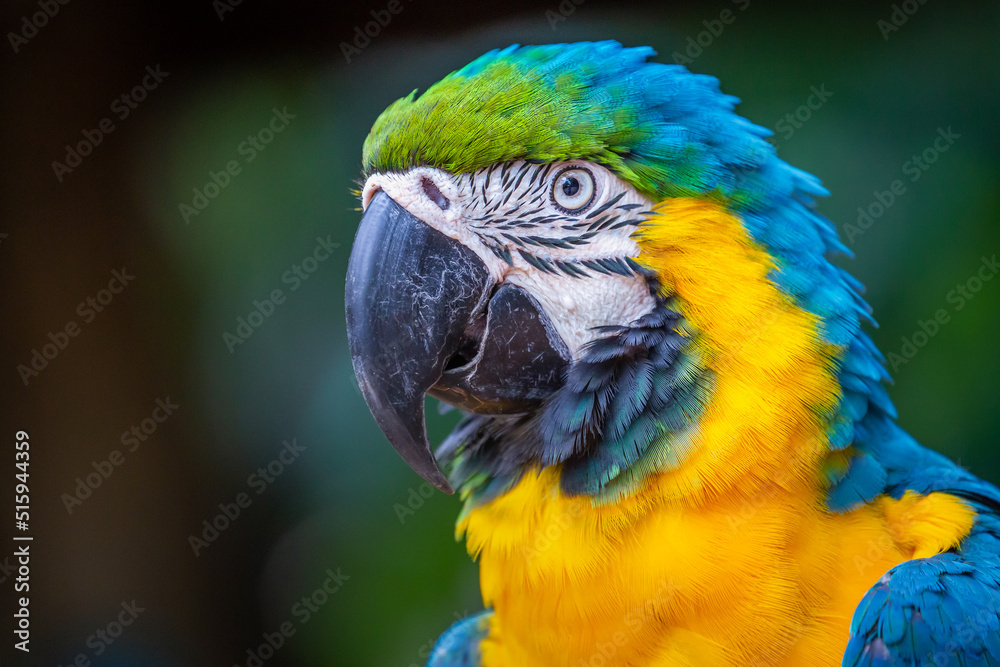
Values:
[(772, 580)]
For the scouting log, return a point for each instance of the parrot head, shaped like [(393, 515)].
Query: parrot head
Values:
[(574, 246)]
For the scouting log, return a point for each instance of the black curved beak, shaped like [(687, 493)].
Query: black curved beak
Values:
[(423, 316)]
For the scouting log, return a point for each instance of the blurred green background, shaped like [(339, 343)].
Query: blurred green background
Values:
[(347, 504)]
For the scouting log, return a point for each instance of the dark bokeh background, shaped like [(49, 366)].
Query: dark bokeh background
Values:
[(340, 505)]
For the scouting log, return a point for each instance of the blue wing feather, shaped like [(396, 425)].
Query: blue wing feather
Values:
[(943, 610), (935, 611)]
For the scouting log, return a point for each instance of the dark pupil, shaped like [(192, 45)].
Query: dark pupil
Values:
[(570, 186)]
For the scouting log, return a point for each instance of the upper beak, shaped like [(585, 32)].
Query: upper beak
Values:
[(423, 316)]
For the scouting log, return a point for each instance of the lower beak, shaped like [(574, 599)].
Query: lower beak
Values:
[(423, 317)]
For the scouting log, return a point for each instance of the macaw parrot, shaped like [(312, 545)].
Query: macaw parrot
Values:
[(676, 447)]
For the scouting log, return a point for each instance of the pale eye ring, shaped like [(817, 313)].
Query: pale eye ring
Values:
[(573, 189)]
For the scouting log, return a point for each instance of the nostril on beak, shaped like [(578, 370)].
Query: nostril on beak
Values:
[(434, 194)]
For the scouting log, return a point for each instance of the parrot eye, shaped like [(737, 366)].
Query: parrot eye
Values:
[(573, 190)]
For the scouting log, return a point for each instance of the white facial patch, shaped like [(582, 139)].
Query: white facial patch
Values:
[(572, 261)]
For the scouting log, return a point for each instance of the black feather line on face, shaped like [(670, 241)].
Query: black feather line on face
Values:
[(537, 190), (504, 202), (594, 265), (521, 172), (489, 172), (537, 262), (594, 226), (635, 222), (605, 206), (534, 176), (512, 239), (504, 172), (570, 270)]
